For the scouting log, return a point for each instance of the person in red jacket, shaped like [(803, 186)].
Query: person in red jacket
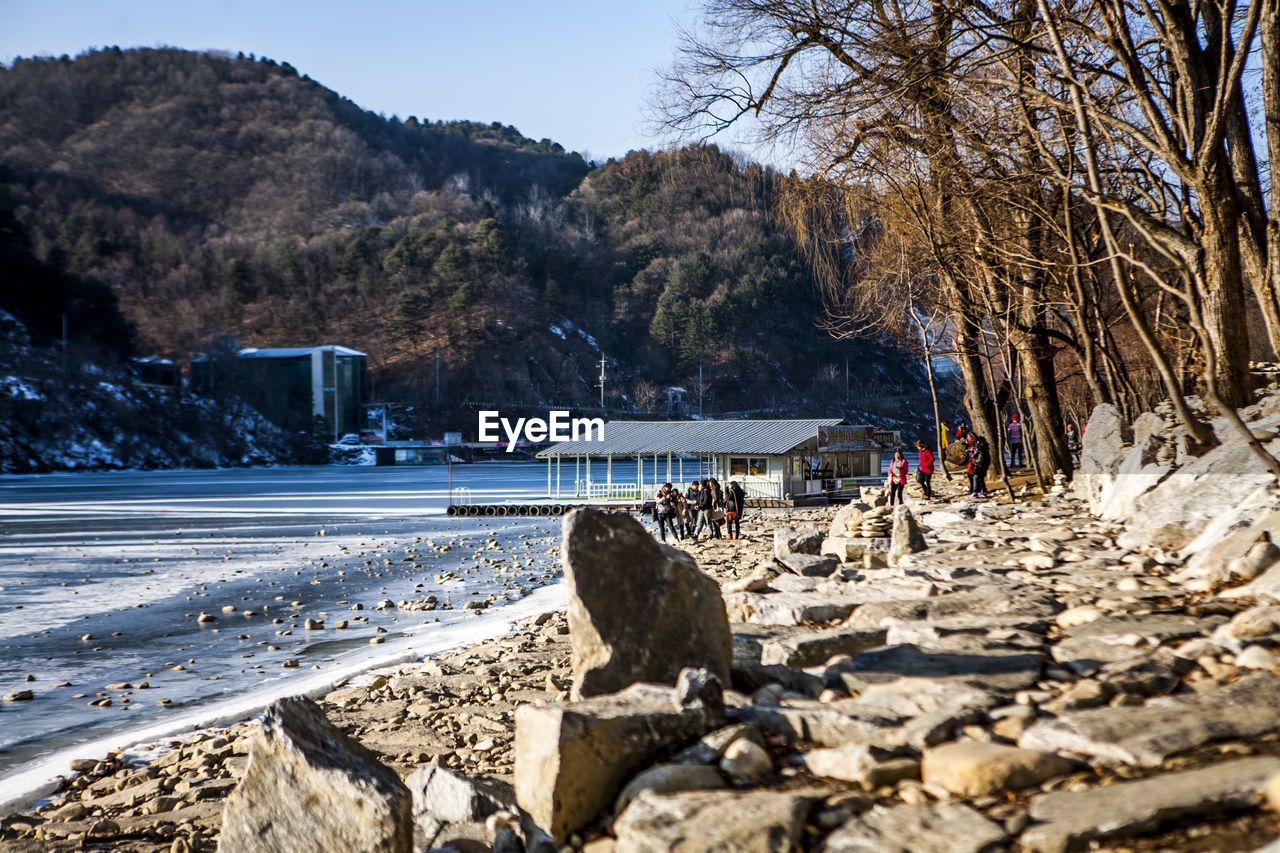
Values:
[(924, 473)]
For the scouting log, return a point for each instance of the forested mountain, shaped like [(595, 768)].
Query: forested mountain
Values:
[(221, 195)]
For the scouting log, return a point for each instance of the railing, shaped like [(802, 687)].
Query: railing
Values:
[(462, 496), (583, 489), (761, 488)]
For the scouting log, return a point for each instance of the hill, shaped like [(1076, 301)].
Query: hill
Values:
[(228, 195)]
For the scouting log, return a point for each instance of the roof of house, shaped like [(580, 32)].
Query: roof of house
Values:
[(633, 438), (294, 352)]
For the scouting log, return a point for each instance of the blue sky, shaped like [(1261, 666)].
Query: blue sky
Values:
[(575, 71)]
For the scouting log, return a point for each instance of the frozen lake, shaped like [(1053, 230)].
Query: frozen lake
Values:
[(104, 579)]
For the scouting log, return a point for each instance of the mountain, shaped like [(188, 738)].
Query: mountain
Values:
[(224, 195)]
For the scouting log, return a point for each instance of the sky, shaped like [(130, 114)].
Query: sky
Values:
[(579, 72)]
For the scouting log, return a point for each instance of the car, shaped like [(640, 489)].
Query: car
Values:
[(349, 438)]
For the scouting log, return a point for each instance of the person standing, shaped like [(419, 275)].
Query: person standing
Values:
[(1073, 443), (703, 502), (683, 518), (735, 502), (924, 473), (717, 506), (1016, 456), (898, 478), (665, 510), (980, 452)]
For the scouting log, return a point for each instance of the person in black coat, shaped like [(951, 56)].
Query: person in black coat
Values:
[(735, 502)]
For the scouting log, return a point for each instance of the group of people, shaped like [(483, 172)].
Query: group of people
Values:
[(899, 468), (703, 506)]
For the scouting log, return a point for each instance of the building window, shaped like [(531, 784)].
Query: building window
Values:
[(748, 466)]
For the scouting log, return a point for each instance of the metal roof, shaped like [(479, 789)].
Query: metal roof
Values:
[(294, 352), (632, 438)]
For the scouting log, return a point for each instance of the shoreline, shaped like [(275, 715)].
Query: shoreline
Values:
[(39, 779)]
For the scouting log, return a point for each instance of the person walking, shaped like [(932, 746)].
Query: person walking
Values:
[(717, 507), (665, 509), (735, 502), (1016, 456), (898, 478), (702, 500), (924, 472)]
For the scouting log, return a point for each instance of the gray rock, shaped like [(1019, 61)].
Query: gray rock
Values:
[(700, 822), (1088, 647), (810, 565), (906, 537), (816, 647), (980, 604), (848, 520), (940, 828), (670, 779), (1158, 671), (790, 608), (824, 723), (1067, 820), (1148, 735), (992, 670), (1138, 473), (858, 550), (746, 761), (639, 611), (310, 787), (796, 540), (859, 764), (573, 758), (448, 806), (710, 747)]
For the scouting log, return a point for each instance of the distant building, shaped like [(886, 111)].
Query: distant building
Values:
[(292, 386), (157, 372)]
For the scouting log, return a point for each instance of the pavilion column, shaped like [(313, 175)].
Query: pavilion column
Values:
[(608, 474)]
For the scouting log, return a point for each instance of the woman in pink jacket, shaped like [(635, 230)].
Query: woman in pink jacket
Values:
[(898, 478)]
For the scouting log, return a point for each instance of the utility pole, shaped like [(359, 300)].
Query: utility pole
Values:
[(602, 378)]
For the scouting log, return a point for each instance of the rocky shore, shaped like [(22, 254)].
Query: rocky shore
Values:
[(1096, 667)]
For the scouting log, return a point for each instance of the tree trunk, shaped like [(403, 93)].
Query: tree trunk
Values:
[(977, 395), (1226, 322)]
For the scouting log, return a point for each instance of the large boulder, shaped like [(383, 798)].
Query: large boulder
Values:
[(639, 611), (906, 536), (309, 787), (1226, 485), (1106, 438), (1138, 473), (572, 758), (796, 540)]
